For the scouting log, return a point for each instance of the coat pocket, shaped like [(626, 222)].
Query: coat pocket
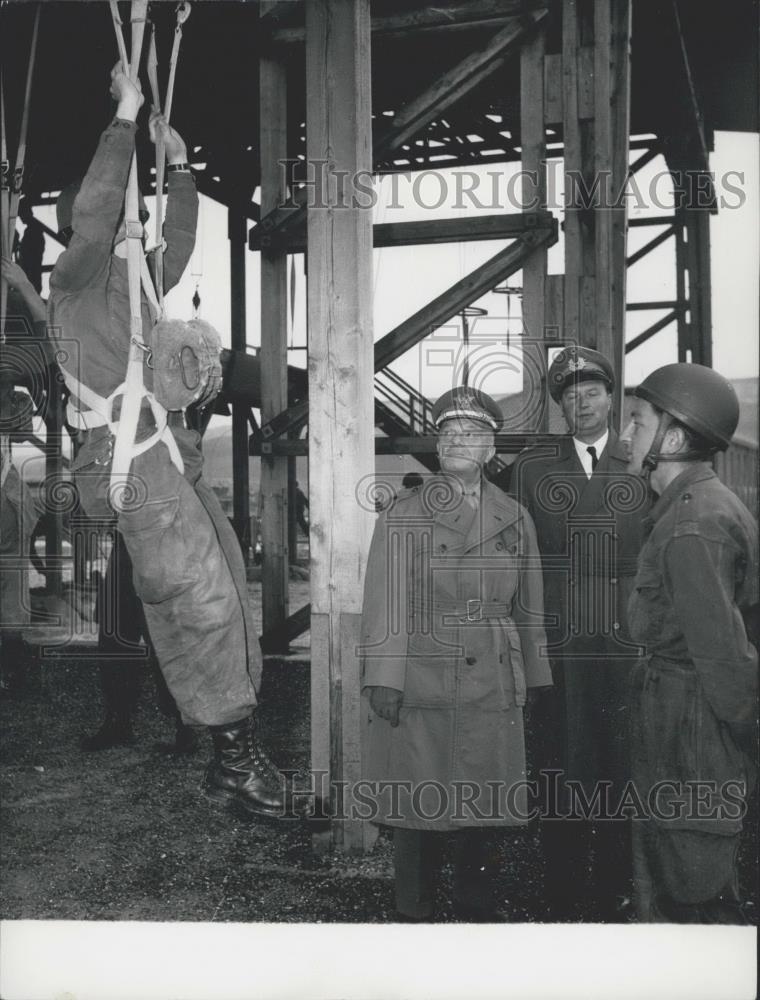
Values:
[(162, 561), (430, 672)]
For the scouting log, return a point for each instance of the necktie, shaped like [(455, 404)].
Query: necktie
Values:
[(472, 499), (594, 460)]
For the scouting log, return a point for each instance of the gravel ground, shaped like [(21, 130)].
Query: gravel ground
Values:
[(124, 834)]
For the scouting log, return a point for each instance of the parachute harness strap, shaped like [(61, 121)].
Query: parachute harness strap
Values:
[(133, 389)]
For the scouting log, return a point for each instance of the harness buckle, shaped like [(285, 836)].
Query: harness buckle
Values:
[(134, 230), (474, 610)]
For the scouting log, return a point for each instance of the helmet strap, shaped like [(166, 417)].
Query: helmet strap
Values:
[(653, 456)]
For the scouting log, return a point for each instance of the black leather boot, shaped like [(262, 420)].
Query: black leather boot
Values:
[(120, 682), (116, 731), (241, 771)]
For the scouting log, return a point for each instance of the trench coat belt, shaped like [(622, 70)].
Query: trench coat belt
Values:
[(463, 612)]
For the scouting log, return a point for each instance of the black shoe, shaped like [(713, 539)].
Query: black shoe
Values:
[(115, 732), (242, 773)]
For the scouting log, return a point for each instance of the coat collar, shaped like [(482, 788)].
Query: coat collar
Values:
[(495, 513), (696, 473)]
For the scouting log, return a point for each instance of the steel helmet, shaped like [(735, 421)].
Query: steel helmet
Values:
[(64, 206), (698, 397)]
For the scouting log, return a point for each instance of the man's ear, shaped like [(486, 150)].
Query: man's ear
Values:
[(674, 441)]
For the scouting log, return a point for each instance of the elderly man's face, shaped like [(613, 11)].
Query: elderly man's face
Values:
[(464, 446)]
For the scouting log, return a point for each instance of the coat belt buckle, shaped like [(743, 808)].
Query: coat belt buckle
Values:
[(474, 610)]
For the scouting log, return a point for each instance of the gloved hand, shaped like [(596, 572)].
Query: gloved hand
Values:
[(386, 702)]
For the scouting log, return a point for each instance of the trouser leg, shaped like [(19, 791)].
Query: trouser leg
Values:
[(699, 878), (415, 862), (122, 658), (476, 861), (188, 582)]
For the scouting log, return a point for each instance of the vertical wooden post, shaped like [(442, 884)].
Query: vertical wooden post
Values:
[(274, 356), (596, 117), (572, 168), (53, 473), (341, 432), (241, 507), (533, 143), (700, 301), (683, 325), (620, 100)]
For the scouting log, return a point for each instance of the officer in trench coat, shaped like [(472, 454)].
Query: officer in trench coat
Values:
[(452, 640), (588, 512)]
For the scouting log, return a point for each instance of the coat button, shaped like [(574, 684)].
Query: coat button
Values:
[(613, 580), (441, 548), (471, 660), (499, 546), (616, 626)]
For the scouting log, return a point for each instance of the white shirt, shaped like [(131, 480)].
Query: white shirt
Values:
[(583, 455)]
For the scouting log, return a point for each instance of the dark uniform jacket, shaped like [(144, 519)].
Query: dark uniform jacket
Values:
[(589, 534), (698, 685)]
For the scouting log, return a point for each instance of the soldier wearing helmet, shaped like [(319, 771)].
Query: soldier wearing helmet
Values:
[(694, 726)]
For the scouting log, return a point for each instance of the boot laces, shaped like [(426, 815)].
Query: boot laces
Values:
[(262, 759)]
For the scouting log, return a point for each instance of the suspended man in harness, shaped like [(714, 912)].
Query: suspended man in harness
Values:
[(187, 565)]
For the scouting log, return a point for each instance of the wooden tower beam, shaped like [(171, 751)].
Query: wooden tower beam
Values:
[(341, 425), (274, 357)]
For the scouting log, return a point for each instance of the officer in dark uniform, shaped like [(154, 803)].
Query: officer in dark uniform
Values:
[(587, 510), (694, 731)]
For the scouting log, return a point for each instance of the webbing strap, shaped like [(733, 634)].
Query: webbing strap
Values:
[(100, 414), (134, 389), (18, 173), (160, 156)]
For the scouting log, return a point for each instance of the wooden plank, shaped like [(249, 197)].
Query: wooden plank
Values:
[(647, 334), (433, 315), (428, 17), (533, 142), (620, 95), (341, 424), (602, 167), (352, 734), (572, 168), (421, 444), (587, 81), (463, 293), (698, 255), (457, 83), (273, 356), (241, 504), (401, 234), (684, 330), (553, 89), (554, 307)]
